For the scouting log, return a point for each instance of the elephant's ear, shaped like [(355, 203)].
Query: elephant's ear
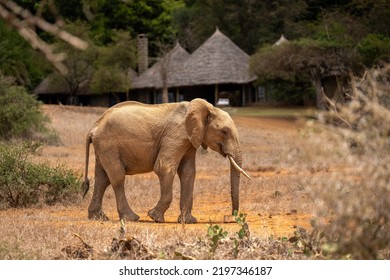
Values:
[(196, 120)]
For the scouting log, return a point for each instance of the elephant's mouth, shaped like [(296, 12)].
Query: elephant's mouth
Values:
[(220, 150), (231, 159)]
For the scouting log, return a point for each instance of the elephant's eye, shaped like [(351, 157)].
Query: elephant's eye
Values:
[(225, 132)]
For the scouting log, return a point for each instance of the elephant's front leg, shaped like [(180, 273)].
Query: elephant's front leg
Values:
[(166, 174), (116, 174), (186, 173)]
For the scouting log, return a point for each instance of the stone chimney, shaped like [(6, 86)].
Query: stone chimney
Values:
[(142, 48)]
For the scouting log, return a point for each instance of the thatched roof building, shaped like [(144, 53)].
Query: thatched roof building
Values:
[(152, 77), (218, 65), (217, 69), (217, 61)]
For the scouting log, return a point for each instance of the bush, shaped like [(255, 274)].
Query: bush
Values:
[(20, 115), (374, 48), (356, 196), (24, 183)]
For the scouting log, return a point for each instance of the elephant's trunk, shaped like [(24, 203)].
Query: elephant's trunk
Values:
[(235, 160), (235, 170)]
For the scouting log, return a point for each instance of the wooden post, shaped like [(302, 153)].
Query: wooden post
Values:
[(177, 95), (243, 96), (216, 94)]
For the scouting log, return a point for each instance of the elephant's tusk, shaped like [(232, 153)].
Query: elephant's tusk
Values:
[(238, 168)]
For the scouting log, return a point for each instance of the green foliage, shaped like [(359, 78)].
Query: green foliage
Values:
[(99, 69), (152, 17), (20, 115), (113, 66), (81, 64), (327, 45), (241, 221), (302, 61), (374, 48), (292, 93), (198, 20), (215, 233), (243, 233), (24, 183)]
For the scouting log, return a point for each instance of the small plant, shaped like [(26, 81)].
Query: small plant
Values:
[(310, 243), (215, 233), (243, 234)]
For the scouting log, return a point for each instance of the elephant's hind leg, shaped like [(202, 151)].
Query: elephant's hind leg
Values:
[(95, 211)]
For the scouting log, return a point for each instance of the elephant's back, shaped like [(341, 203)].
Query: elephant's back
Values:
[(132, 118)]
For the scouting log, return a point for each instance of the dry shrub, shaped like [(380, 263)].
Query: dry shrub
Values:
[(354, 201), (83, 251)]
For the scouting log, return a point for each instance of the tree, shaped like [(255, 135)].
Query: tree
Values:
[(329, 49), (302, 59), (80, 64), (248, 23), (373, 49), (152, 17), (114, 65)]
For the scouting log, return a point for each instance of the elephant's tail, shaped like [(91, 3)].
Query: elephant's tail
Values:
[(85, 184)]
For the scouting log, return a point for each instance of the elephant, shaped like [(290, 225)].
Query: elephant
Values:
[(132, 138)]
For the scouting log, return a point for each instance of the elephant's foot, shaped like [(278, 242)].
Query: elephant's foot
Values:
[(129, 216), (158, 217), (97, 215), (188, 219)]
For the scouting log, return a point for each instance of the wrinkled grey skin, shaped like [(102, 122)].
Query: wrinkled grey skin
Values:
[(132, 138)]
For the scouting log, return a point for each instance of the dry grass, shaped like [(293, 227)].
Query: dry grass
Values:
[(275, 202), (355, 137)]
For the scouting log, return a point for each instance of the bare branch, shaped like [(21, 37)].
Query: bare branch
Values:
[(22, 20), (44, 25)]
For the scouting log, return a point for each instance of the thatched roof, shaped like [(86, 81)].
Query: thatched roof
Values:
[(217, 61), (152, 77)]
